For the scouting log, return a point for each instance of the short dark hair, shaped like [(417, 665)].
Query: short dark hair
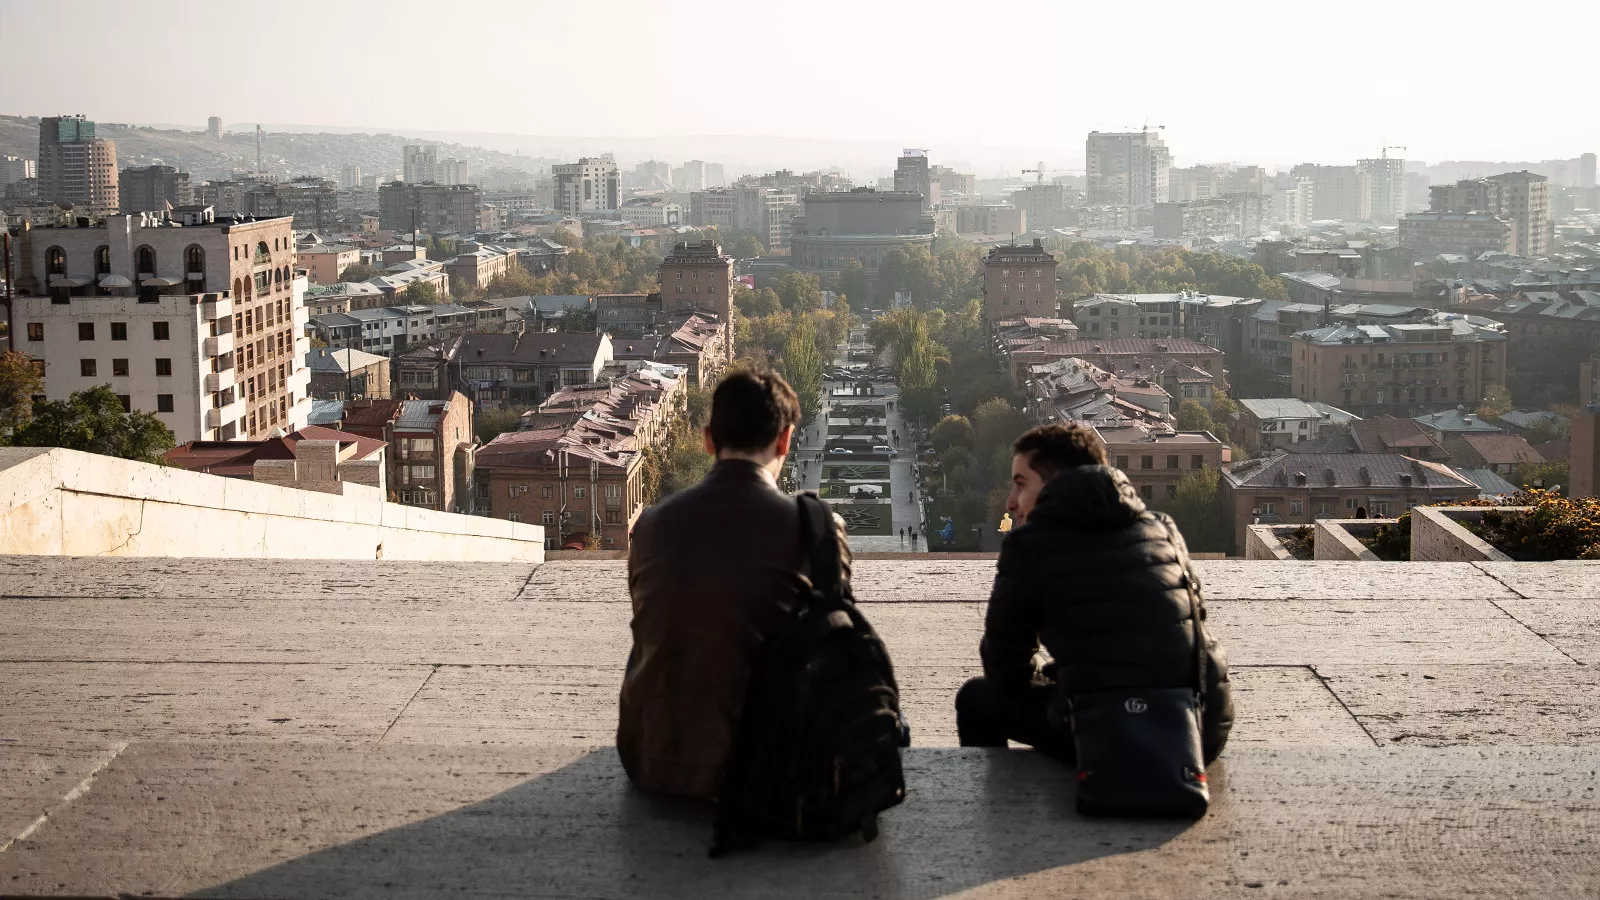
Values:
[(750, 407), (1050, 449)]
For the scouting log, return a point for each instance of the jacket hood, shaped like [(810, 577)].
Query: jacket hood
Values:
[(1088, 496)]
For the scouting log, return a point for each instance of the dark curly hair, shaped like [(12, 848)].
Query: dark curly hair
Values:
[(1053, 448)]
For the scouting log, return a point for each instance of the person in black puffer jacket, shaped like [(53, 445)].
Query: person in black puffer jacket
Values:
[(1100, 581)]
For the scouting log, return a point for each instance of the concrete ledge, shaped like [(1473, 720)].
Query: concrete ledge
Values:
[(593, 555), (1341, 538), (55, 501), (1436, 535), (1266, 542)]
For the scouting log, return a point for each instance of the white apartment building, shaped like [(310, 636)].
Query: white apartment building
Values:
[(421, 164), (201, 322), (1127, 168), (590, 185)]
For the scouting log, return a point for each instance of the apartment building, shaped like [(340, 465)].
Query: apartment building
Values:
[(347, 374), (1337, 192), (1402, 369), (1521, 198), (1470, 233), (1129, 316), (325, 263), (429, 208), (574, 482), (1155, 458), (76, 168), (312, 458), (1127, 168), (153, 189), (590, 185), (1116, 354), (431, 458), (198, 320), (477, 265), (1017, 281), (500, 371), (1271, 424), (1301, 488)]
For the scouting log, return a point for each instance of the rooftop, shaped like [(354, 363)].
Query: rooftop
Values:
[(295, 729)]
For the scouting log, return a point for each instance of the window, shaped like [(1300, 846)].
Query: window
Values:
[(1380, 509), (613, 517), (1122, 462), (160, 331), (126, 401), (1349, 503), (163, 403), (1294, 507), (1147, 462), (1172, 491), (1146, 492), (1172, 461), (421, 473), (1323, 511), (548, 517), (613, 491), (579, 491), (102, 260), (1197, 461), (146, 261), (85, 331), (55, 261), (35, 331), (1268, 509), (119, 331), (513, 517), (547, 491), (86, 368), (119, 368)]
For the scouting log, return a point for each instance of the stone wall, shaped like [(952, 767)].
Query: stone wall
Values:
[(62, 502), (1266, 541), (1436, 535), (1341, 538)]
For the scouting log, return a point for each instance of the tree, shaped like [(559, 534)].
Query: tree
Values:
[(20, 382), (1496, 402), (952, 431), (1547, 430), (1549, 473), (678, 463), (756, 303), (491, 423), (742, 245), (996, 424), (358, 272), (1192, 416), (94, 421), (798, 292), (421, 293), (1197, 508), (802, 367), (853, 283)]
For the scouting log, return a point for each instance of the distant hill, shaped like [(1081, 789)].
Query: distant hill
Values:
[(284, 154)]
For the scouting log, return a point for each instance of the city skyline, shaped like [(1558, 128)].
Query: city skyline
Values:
[(1229, 113)]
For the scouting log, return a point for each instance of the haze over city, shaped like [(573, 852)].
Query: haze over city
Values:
[(836, 83)]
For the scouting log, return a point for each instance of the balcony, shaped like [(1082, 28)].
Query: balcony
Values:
[(216, 418), (219, 344), (216, 306), (220, 381)]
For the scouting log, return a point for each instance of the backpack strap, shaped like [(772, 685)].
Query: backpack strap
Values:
[(820, 549)]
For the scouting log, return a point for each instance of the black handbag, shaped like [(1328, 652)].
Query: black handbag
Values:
[(1139, 750)]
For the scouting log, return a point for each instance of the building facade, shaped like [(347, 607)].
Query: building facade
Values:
[(1127, 168), (911, 173), (860, 225), (1521, 198), (431, 457), (1337, 192), (202, 324), (1470, 233), (429, 208), (1154, 459), (590, 185), (1019, 281), (153, 189), (1403, 369)]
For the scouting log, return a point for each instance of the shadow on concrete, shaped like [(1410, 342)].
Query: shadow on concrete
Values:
[(972, 818)]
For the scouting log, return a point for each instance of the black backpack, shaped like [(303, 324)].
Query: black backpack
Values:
[(817, 753)]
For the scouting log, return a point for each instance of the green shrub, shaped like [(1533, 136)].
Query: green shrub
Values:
[(1301, 542), (1555, 527)]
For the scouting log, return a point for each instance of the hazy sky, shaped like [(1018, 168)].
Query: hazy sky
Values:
[(996, 83)]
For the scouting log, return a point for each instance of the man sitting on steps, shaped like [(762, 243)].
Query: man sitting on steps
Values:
[(712, 571), (1099, 581)]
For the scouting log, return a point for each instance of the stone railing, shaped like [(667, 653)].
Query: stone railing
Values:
[(63, 502), (1437, 535), (1266, 542), (1342, 538)]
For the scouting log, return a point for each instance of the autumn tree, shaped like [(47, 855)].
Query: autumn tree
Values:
[(801, 366), (358, 272), (421, 293), (1496, 402), (20, 382)]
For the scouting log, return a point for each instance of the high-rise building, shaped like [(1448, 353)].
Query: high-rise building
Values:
[(1127, 168), (429, 208), (1386, 186), (76, 167), (203, 324), (350, 178), (1338, 192), (716, 175), (697, 276), (1586, 173), (214, 128), (911, 174), (652, 175), (153, 189), (418, 162), (1521, 198), (1046, 205), (1019, 281), (587, 186), (16, 168), (691, 176)]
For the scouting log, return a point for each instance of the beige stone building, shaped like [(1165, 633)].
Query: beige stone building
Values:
[(324, 263), (201, 321), (1154, 458), (1404, 369)]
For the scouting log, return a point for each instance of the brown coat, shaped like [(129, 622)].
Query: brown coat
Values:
[(712, 571)]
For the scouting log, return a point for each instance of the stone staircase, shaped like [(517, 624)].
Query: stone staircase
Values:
[(315, 728)]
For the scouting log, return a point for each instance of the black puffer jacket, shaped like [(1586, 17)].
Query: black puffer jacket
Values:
[(1099, 580)]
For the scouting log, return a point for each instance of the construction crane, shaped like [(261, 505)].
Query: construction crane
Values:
[(1037, 172), (1387, 147)]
